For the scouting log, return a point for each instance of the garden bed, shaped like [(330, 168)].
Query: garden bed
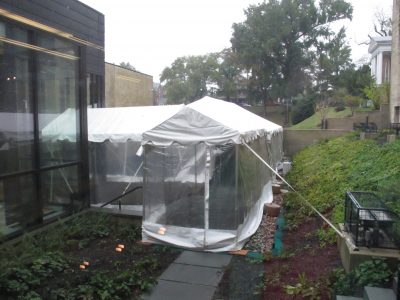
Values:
[(47, 265), (304, 267)]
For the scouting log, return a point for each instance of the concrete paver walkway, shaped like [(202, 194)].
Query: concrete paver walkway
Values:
[(193, 275)]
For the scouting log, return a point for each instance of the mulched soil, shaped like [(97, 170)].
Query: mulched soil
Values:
[(302, 253)]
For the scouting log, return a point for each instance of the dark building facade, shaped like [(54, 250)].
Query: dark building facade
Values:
[(51, 63)]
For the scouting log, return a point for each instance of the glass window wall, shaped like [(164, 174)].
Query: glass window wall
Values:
[(16, 105), (39, 84)]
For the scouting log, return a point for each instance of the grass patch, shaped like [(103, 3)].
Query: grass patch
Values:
[(314, 122)]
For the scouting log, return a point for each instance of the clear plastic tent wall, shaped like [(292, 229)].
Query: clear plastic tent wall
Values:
[(114, 169), (205, 197), (115, 136), (203, 189)]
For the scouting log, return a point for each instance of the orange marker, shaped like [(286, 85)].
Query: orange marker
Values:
[(86, 263), (82, 267), (121, 246), (118, 249)]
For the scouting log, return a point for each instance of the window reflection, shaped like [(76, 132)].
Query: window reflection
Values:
[(17, 204), (16, 106), (57, 99), (59, 191)]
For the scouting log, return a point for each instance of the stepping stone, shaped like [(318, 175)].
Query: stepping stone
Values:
[(192, 274), (171, 290), (203, 259), (375, 293), (347, 298)]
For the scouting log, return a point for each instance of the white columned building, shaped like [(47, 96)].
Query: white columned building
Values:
[(380, 50)]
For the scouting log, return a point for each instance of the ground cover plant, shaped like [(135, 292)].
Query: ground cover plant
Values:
[(373, 272), (309, 267), (47, 265), (323, 173)]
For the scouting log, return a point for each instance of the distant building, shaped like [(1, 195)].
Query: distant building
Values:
[(124, 87), (380, 50), (395, 72)]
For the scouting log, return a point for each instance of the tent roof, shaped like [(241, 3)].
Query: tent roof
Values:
[(211, 121), (207, 120), (117, 124)]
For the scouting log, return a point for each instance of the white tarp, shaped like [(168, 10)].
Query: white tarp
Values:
[(213, 122)]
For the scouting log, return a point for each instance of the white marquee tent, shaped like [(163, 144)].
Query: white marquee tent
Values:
[(202, 188)]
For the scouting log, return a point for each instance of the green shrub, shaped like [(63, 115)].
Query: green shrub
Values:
[(340, 108), (302, 109), (374, 272)]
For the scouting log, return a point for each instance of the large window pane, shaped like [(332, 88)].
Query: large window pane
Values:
[(16, 104), (53, 43), (18, 204), (59, 192), (57, 99)]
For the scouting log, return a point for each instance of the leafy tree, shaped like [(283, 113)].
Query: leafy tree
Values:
[(354, 80), (333, 57), (379, 94), (275, 43), (228, 76), (303, 107), (189, 78), (127, 65), (353, 102)]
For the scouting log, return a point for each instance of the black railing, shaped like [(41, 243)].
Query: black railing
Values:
[(365, 127), (370, 222), (121, 196), (396, 127)]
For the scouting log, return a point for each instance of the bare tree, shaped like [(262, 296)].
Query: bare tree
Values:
[(322, 108), (382, 25)]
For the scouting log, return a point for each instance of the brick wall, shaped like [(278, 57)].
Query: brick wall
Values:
[(124, 87)]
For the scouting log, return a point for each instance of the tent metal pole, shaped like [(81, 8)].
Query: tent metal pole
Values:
[(206, 195), (144, 185), (236, 190)]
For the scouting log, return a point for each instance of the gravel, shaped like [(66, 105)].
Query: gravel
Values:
[(263, 239)]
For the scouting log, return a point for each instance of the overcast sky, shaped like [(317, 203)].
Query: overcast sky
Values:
[(151, 34)]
